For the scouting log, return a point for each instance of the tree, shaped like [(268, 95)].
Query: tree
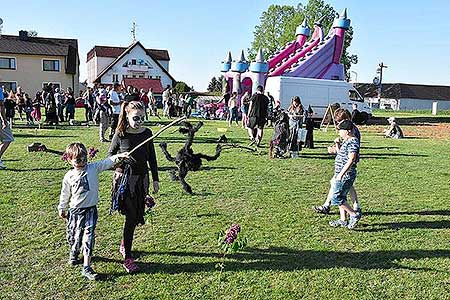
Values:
[(278, 25), (181, 87), (269, 35), (215, 85), (212, 85)]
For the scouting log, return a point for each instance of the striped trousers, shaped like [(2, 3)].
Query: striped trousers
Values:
[(81, 229)]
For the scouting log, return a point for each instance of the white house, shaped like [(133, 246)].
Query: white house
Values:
[(135, 65), (402, 96)]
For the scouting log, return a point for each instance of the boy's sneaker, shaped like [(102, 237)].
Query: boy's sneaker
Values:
[(338, 223), (357, 208), (130, 266), (122, 249), (354, 221), (2, 165), (73, 259), (322, 209), (89, 273)]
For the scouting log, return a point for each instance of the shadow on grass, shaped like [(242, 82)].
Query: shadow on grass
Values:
[(37, 136), (201, 140), (363, 155), (420, 213), (203, 168), (282, 259), (381, 148), (36, 169), (443, 224)]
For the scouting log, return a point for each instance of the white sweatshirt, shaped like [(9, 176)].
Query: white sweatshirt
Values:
[(81, 186)]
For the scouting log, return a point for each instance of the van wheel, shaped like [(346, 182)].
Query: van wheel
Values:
[(364, 117)]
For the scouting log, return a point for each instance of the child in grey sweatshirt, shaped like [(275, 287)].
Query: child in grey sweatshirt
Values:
[(80, 191)]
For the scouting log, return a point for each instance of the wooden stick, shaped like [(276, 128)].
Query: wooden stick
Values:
[(158, 133)]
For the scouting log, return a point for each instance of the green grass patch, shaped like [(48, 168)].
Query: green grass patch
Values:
[(399, 250)]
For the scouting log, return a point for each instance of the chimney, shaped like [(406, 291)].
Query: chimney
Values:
[(23, 35)]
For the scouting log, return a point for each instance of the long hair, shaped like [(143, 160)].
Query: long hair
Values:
[(125, 109), (342, 114), (295, 99)]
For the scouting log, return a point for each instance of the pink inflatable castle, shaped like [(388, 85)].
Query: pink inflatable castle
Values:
[(313, 55)]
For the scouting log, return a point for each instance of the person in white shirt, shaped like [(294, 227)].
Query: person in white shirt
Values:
[(165, 100), (80, 191), (115, 101)]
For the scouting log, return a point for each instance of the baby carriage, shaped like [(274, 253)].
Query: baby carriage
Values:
[(280, 139)]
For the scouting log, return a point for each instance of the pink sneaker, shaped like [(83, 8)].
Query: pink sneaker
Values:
[(122, 249), (130, 266)]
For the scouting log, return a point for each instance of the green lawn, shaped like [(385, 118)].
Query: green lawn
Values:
[(400, 250)]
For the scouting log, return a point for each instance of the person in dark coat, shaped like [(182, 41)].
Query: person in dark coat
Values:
[(257, 115), (309, 125)]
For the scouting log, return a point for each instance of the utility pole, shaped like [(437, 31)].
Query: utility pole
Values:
[(356, 76), (379, 80), (1, 27)]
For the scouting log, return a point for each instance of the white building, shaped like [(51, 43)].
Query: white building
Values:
[(144, 67), (402, 96)]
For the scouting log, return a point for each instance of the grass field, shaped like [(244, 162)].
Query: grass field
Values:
[(400, 249)]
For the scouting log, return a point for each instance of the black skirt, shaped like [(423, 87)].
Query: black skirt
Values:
[(132, 201)]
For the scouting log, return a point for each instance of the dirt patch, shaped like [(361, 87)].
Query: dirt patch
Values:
[(433, 131)]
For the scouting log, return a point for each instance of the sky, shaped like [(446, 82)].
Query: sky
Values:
[(410, 37)]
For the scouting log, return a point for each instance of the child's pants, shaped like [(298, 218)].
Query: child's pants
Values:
[(81, 229), (104, 124)]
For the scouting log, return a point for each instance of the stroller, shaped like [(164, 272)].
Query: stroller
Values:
[(279, 142)]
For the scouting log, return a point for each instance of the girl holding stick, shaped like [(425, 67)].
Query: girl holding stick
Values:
[(131, 180)]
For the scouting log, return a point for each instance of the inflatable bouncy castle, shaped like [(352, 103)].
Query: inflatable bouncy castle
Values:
[(310, 55)]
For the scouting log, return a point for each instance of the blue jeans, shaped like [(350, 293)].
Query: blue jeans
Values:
[(341, 188)]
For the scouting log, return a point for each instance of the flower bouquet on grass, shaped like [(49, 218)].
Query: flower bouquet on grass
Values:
[(229, 241)]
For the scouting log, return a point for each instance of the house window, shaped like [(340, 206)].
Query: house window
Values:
[(50, 65), (56, 85), (9, 86), (115, 78), (158, 77), (7, 63), (133, 62)]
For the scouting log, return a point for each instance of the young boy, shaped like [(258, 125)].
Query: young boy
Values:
[(340, 115), (80, 190), (344, 175)]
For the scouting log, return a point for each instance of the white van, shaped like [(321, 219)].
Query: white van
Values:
[(318, 93)]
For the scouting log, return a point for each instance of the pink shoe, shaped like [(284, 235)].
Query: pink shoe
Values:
[(130, 266), (122, 249)]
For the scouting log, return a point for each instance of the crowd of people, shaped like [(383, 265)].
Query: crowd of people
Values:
[(260, 110), (58, 105)]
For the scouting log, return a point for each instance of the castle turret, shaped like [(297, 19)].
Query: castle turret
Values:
[(238, 67), (260, 68), (340, 25), (226, 65), (302, 32), (318, 30), (241, 65)]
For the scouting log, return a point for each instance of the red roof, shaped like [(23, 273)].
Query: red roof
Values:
[(108, 51), (145, 83)]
